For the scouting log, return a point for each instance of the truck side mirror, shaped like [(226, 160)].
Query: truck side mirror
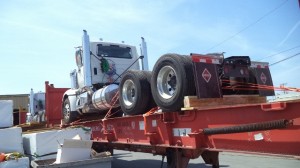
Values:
[(78, 57)]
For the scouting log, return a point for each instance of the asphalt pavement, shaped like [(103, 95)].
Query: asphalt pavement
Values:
[(125, 159)]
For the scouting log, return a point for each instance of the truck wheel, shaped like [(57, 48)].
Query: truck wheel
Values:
[(151, 102), (68, 115), (172, 79), (134, 92)]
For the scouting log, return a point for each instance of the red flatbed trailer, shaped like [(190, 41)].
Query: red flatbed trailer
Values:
[(214, 123), (268, 128)]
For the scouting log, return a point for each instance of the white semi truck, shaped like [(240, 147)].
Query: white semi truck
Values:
[(98, 74), (36, 107), (106, 70)]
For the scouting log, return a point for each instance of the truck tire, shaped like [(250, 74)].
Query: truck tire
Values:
[(151, 102), (135, 92), (68, 115), (172, 79)]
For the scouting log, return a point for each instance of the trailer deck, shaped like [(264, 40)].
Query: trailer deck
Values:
[(268, 128)]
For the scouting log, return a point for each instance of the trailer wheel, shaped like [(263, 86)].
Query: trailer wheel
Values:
[(135, 92), (172, 79), (68, 115)]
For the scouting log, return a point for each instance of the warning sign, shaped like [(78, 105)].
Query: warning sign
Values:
[(206, 75), (263, 78)]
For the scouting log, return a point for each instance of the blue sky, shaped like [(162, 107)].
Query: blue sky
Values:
[(38, 37)]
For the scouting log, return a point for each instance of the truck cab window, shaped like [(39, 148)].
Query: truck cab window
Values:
[(114, 51)]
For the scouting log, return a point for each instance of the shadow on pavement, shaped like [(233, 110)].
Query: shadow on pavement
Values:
[(125, 159), (148, 163)]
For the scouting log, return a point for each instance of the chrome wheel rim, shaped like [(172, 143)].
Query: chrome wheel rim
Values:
[(129, 92), (67, 111), (166, 82)]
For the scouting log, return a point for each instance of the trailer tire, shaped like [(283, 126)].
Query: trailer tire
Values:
[(135, 92), (68, 115), (172, 79)]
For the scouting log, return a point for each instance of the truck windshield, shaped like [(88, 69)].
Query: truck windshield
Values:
[(114, 51)]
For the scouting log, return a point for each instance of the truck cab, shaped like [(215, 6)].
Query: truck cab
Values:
[(95, 81)]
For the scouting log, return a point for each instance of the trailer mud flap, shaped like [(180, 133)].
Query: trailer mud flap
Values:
[(263, 78), (206, 77)]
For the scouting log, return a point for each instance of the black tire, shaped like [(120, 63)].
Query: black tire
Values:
[(172, 79), (135, 92), (68, 115), (151, 102)]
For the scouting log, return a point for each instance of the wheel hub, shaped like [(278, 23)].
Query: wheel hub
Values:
[(166, 82), (129, 92), (67, 111)]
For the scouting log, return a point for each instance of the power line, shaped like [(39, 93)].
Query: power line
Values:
[(279, 53), (247, 27), (284, 59)]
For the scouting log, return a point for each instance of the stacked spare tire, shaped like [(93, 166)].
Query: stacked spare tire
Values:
[(171, 79)]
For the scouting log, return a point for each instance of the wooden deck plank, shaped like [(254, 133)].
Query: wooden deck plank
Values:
[(228, 100)]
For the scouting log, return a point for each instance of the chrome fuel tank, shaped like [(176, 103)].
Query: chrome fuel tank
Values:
[(104, 98)]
